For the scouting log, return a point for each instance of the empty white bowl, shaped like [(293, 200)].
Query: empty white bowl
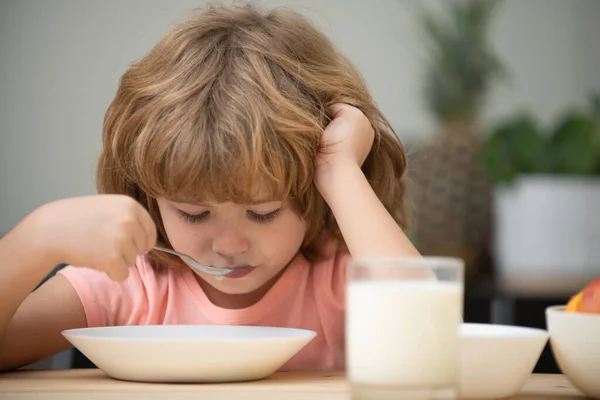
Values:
[(189, 353), (575, 343), (497, 360)]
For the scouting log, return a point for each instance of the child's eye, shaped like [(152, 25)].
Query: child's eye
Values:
[(263, 218), (194, 217)]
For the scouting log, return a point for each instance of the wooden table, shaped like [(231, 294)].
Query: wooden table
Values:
[(92, 384)]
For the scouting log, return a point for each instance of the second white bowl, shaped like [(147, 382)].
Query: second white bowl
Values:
[(497, 360)]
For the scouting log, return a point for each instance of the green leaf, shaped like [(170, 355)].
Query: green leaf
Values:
[(462, 64), (515, 147), (595, 103), (575, 145)]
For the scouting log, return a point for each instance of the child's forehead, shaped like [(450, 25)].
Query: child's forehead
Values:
[(260, 195)]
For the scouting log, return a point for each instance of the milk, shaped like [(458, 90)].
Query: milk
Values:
[(403, 333)]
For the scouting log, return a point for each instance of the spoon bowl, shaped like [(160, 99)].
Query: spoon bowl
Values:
[(195, 264)]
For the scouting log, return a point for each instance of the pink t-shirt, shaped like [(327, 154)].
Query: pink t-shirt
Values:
[(307, 296)]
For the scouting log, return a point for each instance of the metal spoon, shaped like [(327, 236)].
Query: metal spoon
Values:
[(195, 264)]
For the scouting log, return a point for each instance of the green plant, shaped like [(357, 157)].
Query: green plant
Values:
[(520, 146), (463, 63)]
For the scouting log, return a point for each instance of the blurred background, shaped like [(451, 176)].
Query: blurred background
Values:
[(497, 103)]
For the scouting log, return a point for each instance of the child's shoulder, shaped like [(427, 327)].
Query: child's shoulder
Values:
[(334, 256), (107, 302), (142, 274), (330, 272)]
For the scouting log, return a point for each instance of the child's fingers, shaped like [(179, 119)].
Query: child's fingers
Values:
[(116, 264), (148, 230), (336, 109), (120, 272)]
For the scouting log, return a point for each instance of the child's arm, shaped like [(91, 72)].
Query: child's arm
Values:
[(31, 322), (102, 232), (367, 227)]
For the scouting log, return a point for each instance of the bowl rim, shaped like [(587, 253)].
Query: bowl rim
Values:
[(561, 309), (82, 333), (527, 331)]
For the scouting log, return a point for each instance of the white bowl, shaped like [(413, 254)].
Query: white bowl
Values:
[(575, 343), (497, 360), (189, 353)]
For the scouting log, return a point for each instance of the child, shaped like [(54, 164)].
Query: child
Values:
[(245, 140)]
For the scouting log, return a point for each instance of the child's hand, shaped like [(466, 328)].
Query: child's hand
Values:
[(347, 140), (366, 225), (103, 232)]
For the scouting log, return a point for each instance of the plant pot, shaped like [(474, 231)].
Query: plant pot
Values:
[(547, 233), (451, 197)]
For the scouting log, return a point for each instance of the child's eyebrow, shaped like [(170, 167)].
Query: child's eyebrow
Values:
[(263, 201), (250, 203)]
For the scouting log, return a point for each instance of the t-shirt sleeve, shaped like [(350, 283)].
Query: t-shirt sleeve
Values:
[(106, 302)]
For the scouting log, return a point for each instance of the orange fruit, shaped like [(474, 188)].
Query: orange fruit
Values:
[(587, 300)]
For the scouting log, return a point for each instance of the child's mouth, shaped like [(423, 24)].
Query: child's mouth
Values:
[(240, 272)]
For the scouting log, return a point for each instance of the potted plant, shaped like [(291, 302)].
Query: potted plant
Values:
[(547, 199), (448, 185)]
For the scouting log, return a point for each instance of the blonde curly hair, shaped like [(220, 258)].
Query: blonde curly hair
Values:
[(231, 98)]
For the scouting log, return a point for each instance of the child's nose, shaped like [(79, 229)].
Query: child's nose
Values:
[(230, 243)]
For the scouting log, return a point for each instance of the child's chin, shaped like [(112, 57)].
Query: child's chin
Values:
[(236, 286)]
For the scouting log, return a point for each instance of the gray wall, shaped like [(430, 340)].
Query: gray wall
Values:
[(60, 61)]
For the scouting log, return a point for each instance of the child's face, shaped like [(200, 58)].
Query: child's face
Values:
[(265, 235)]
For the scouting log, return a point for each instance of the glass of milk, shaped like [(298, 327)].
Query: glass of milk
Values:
[(402, 328)]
